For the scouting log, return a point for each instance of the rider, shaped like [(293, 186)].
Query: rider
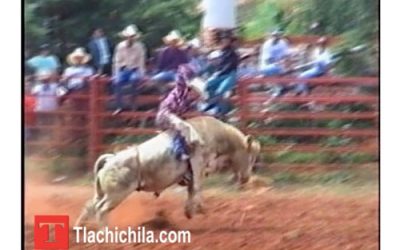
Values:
[(177, 102)]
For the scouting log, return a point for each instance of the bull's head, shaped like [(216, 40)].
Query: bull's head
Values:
[(253, 150)]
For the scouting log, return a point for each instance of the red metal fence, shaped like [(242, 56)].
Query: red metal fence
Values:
[(330, 91)]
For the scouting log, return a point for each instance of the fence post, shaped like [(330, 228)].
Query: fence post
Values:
[(242, 94), (93, 121)]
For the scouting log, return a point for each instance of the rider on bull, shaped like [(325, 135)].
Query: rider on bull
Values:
[(177, 102)]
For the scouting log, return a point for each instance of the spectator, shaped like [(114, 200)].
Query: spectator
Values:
[(76, 75), (45, 92), (100, 50), (170, 57), (320, 65), (224, 78), (129, 64), (273, 53), (29, 108), (45, 61)]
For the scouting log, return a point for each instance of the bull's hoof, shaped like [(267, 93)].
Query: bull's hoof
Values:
[(188, 214)]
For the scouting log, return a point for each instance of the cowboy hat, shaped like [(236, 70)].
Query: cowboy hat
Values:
[(130, 30), (174, 37), (199, 85), (78, 52), (277, 32)]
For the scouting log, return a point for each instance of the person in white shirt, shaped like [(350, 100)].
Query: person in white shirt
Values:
[(321, 65), (272, 54), (129, 66), (46, 92), (77, 74)]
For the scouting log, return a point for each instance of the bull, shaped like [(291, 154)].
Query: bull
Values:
[(151, 167)]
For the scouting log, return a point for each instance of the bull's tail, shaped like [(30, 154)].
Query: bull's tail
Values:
[(99, 164), (89, 209)]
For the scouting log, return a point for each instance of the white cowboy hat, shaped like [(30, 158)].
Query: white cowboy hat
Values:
[(195, 43), (78, 52), (130, 30), (174, 37), (199, 85)]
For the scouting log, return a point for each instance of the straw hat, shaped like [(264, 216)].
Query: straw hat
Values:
[(78, 53), (130, 30), (199, 85), (174, 37)]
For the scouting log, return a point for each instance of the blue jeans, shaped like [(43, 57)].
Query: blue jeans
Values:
[(217, 87), (164, 76), (310, 73), (125, 77), (179, 146), (272, 70)]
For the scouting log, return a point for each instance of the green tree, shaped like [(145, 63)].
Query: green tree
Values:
[(67, 24)]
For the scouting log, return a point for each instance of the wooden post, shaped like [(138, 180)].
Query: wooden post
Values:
[(93, 121), (242, 94)]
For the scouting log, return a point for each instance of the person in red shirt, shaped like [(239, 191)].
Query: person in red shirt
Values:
[(29, 110)]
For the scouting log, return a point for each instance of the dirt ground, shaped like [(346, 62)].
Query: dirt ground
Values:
[(259, 219)]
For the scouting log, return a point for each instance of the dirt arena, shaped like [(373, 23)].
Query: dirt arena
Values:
[(258, 219)]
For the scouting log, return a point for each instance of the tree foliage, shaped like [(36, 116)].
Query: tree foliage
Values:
[(69, 23), (355, 21)]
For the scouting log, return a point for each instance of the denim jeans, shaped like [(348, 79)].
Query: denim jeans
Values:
[(164, 76), (123, 79), (179, 146), (217, 87), (311, 73), (272, 70)]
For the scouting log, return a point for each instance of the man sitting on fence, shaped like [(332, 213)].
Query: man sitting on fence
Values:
[(273, 54), (129, 65), (77, 74), (224, 78), (170, 58), (177, 102), (320, 65)]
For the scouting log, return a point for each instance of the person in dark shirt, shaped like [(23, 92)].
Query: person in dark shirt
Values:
[(224, 78), (170, 58)]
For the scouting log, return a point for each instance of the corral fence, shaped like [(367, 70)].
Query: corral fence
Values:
[(334, 126)]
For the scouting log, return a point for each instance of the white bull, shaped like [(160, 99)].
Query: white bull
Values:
[(151, 167)]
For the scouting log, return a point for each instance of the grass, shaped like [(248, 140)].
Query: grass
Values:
[(318, 158)]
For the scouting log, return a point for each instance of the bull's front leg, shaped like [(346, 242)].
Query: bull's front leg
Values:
[(194, 202)]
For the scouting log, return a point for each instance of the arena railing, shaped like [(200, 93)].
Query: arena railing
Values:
[(248, 105)]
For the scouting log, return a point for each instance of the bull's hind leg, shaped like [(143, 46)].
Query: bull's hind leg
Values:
[(106, 205)]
